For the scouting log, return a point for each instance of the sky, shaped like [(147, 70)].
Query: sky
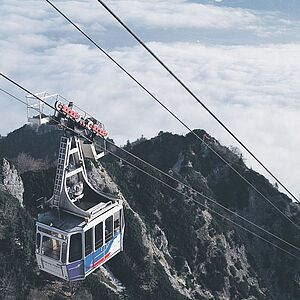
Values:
[(240, 57)]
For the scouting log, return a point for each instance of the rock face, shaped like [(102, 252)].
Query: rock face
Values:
[(201, 255), (10, 181), (181, 246)]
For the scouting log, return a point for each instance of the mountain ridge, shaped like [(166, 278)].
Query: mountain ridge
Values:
[(174, 248)]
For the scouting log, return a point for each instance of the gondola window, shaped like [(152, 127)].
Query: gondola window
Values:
[(98, 235), (108, 229), (75, 247), (88, 242), (51, 247)]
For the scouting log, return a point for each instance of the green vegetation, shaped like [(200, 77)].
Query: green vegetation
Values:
[(17, 238)]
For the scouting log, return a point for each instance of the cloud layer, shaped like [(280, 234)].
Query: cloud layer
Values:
[(254, 88)]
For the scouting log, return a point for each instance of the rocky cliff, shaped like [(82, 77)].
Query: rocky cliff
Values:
[(174, 248), (10, 181)]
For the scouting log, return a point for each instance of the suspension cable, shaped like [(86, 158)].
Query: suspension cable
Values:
[(208, 208), (188, 186), (135, 36), (168, 110), (161, 181)]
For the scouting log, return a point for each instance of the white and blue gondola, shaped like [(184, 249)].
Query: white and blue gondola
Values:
[(71, 248), (84, 227)]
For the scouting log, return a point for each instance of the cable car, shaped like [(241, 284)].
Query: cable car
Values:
[(84, 227)]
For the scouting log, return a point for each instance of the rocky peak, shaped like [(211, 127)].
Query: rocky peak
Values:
[(10, 181), (174, 248)]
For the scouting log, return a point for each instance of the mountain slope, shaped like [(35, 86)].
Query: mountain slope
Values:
[(174, 248)]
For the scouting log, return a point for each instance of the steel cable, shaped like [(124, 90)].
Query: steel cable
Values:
[(195, 97), (169, 111), (161, 181)]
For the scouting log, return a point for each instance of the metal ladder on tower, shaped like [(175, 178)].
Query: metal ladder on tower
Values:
[(59, 177)]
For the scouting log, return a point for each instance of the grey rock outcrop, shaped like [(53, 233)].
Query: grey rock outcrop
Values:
[(10, 181), (176, 246), (155, 245), (224, 257)]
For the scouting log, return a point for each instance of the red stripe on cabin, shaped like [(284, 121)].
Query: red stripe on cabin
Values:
[(101, 260)]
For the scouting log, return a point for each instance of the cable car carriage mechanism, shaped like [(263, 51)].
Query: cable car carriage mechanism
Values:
[(84, 227)]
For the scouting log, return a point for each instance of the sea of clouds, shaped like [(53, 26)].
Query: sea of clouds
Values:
[(244, 64)]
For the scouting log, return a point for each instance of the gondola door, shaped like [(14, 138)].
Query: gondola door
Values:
[(99, 248), (108, 237), (89, 250)]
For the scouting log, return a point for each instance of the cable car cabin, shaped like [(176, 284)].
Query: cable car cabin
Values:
[(70, 248), (84, 227)]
